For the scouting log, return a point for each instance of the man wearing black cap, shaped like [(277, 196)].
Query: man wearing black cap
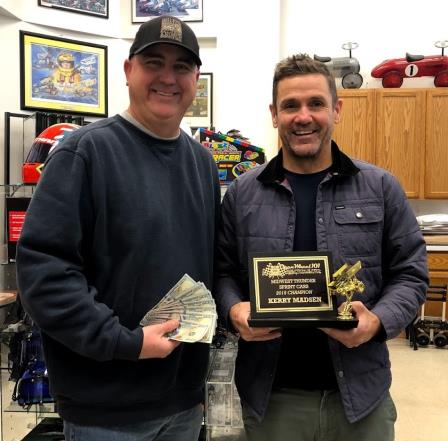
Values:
[(124, 208)]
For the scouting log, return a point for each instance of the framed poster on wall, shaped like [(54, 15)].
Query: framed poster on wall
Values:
[(185, 10), (61, 75), (98, 8), (200, 113)]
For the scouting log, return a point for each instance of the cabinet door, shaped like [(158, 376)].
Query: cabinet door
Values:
[(436, 166), (400, 146), (438, 273), (355, 133)]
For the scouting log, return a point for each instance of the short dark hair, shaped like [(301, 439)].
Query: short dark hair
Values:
[(301, 64)]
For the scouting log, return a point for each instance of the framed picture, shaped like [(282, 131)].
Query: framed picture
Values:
[(200, 113), (186, 10), (61, 75), (99, 8)]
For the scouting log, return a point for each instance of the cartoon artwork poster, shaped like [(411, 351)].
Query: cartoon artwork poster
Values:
[(64, 75)]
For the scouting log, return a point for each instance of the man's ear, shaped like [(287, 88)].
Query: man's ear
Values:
[(127, 68), (273, 115), (337, 110)]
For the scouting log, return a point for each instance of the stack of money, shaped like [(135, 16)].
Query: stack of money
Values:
[(192, 304)]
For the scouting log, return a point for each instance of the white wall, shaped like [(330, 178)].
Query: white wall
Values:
[(241, 41), (383, 29), (240, 50), (230, 46)]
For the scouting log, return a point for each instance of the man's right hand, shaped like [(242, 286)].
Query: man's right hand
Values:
[(239, 314), (155, 344)]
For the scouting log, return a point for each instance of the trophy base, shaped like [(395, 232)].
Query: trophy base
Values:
[(303, 322)]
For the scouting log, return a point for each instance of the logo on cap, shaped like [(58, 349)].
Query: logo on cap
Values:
[(171, 28)]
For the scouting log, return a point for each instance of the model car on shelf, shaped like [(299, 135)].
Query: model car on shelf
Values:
[(393, 71), (346, 68)]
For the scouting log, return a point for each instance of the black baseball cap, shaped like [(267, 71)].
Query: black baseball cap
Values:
[(166, 29)]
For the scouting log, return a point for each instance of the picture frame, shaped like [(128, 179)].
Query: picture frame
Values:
[(185, 10), (62, 75), (99, 8), (200, 113)]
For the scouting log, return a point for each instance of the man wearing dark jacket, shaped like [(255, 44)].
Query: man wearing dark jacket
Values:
[(125, 207), (305, 384)]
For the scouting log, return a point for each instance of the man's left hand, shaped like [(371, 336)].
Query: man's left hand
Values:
[(368, 326)]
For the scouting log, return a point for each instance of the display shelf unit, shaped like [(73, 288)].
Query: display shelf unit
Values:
[(20, 130)]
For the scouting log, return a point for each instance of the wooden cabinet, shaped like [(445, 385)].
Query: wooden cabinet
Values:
[(438, 265), (400, 142), (438, 273), (355, 132), (436, 154), (402, 130)]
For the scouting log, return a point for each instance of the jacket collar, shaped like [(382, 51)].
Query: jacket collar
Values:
[(342, 165)]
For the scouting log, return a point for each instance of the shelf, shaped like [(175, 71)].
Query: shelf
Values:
[(35, 408), (17, 190)]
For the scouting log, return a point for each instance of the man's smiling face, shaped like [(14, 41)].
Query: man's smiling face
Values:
[(162, 84), (305, 114)]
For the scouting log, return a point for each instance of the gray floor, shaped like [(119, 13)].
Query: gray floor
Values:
[(420, 391)]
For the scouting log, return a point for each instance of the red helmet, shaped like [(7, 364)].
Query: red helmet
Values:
[(42, 145)]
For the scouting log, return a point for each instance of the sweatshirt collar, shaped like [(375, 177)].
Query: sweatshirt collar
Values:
[(128, 117)]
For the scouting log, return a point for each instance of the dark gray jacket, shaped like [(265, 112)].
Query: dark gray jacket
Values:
[(361, 214)]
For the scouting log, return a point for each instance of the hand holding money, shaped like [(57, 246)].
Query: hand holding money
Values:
[(155, 344), (190, 303)]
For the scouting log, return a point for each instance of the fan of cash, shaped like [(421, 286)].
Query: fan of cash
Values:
[(192, 304)]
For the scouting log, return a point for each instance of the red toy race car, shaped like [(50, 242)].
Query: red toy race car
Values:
[(46, 141), (393, 71)]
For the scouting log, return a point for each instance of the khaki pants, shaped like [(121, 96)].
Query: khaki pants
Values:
[(299, 415)]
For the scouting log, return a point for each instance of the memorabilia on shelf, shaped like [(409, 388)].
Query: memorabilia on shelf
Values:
[(185, 10), (98, 8), (15, 217), (192, 304), (27, 368), (394, 70), (293, 289), (346, 68), (235, 133), (62, 75), (42, 145), (233, 156)]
